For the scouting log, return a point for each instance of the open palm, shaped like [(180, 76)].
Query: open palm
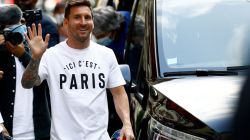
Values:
[(36, 43)]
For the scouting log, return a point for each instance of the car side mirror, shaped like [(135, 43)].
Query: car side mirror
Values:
[(125, 72), (129, 87)]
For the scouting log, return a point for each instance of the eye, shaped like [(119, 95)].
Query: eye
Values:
[(88, 17), (77, 17)]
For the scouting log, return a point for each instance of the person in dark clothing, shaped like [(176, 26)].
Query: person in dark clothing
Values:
[(58, 14), (135, 46), (49, 27), (23, 115), (111, 29), (8, 86)]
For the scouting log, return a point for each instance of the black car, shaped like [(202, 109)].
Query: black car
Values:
[(188, 60)]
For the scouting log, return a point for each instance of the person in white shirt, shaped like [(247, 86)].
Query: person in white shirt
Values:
[(23, 115), (2, 128), (78, 72)]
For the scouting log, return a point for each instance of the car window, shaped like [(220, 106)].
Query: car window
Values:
[(202, 34), (136, 38)]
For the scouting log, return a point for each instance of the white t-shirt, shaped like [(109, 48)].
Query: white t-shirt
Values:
[(23, 127), (78, 80)]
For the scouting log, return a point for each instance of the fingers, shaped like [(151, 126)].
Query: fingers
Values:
[(122, 135), (40, 32), (127, 133), (35, 35), (34, 29), (47, 37), (28, 39), (127, 137), (30, 33)]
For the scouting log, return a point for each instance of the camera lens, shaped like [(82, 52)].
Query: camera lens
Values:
[(14, 37)]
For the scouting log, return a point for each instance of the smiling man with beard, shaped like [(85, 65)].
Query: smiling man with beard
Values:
[(78, 113)]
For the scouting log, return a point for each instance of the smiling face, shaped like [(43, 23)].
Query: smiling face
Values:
[(79, 23)]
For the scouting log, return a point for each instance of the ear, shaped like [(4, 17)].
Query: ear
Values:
[(93, 25), (65, 22)]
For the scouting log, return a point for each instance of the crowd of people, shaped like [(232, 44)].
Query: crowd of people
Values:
[(54, 84)]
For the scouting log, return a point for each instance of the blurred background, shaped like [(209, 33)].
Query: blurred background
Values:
[(49, 5)]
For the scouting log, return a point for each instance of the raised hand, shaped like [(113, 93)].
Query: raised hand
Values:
[(36, 43)]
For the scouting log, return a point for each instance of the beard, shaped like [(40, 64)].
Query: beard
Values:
[(81, 39), (78, 32)]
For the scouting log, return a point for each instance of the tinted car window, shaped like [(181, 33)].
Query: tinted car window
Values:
[(136, 37), (202, 34), (191, 68)]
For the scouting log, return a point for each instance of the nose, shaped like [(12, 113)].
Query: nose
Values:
[(83, 21)]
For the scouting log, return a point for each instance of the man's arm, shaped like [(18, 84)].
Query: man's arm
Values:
[(122, 108), (30, 76), (38, 46)]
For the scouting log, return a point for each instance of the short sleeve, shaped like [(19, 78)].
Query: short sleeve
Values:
[(115, 78)]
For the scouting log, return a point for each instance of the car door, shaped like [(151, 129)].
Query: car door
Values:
[(133, 57), (155, 112)]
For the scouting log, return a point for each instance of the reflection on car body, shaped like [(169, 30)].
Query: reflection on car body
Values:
[(191, 68)]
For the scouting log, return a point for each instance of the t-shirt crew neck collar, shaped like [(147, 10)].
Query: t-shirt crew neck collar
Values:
[(73, 50)]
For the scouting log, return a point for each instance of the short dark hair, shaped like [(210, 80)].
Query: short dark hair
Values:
[(72, 3)]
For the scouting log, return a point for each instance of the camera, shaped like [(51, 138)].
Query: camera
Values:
[(10, 17), (31, 16), (14, 37)]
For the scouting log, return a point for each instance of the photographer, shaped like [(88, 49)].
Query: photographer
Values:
[(49, 27), (24, 115), (2, 128)]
